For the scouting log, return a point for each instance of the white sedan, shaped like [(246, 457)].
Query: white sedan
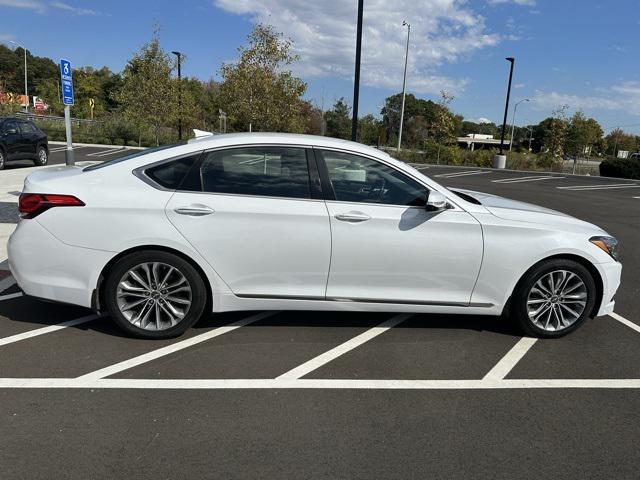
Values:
[(291, 222)]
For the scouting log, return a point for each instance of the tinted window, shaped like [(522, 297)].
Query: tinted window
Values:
[(359, 179), (10, 125), (26, 127), (172, 174), (267, 171)]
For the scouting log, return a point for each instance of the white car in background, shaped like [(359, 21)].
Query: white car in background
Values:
[(291, 222)]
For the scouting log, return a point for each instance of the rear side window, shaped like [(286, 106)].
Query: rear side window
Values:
[(173, 174), (26, 127), (264, 171)]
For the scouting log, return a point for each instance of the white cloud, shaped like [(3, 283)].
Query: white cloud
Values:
[(7, 37), (529, 3), (74, 10), (42, 7), (26, 4), (484, 120), (442, 31), (622, 97)]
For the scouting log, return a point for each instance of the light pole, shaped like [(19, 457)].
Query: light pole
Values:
[(404, 82), (530, 137), (179, 55), (500, 160), (356, 78), (26, 92), (513, 121)]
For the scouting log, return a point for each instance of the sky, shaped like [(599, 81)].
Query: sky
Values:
[(568, 52)]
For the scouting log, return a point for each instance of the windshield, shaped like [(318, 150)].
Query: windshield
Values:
[(137, 154)]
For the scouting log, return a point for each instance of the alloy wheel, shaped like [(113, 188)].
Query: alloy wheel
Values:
[(42, 155), (557, 300), (154, 296)]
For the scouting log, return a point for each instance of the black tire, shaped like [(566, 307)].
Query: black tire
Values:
[(42, 156), (193, 277), (3, 159), (518, 310)]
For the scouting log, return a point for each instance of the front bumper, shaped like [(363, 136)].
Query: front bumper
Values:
[(610, 273), (45, 267)]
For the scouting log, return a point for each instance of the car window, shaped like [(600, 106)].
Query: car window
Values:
[(9, 125), (26, 127), (173, 174), (266, 171), (359, 179)]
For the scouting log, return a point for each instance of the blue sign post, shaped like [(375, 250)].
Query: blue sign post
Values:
[(66, 80)]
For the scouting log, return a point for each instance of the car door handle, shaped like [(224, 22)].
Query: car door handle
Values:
[(194, 210), (352, 217)]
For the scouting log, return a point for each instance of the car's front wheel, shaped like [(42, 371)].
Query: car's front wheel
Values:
[(2, 159), (553, 298), (42, 156), (154, 294)]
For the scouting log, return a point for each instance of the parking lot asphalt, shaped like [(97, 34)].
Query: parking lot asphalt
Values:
[(334, 395), (82, 153)]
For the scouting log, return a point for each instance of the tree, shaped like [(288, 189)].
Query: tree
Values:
[(582, 134), (369, 130), (551, 133), (338, 120), (618, 140), (443, 126), (148, 94), (259, 90)]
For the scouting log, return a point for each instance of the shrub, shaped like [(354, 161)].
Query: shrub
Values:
[(621, 168)]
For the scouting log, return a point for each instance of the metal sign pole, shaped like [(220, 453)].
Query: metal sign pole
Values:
[(69, 155), (66, 80)]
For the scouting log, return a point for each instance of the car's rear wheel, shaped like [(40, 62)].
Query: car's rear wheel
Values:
[(154, 294), (2, 158), (553, 298), (42, 156)]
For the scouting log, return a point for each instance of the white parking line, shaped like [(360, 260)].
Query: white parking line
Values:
[(462, 174), (229, 384), (526, 179), (62, 149), (10, 296), (104, 153), (41, 331), (326, 357), (601, 187), (628, 323), (175, 347), (512, 357)]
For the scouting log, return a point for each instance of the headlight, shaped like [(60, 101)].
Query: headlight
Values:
[(607, 244)]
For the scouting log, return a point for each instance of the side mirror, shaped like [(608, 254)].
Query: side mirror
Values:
[(436, 202)]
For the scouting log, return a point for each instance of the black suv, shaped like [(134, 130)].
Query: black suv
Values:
[(21, 139)]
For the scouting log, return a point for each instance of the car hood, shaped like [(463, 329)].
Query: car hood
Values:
[(526, 212)]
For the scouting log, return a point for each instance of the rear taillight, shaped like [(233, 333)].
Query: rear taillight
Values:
[(33, 204)]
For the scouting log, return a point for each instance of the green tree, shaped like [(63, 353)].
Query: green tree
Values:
[(338, 120), (148, 94), (259, 90), (582, 134), (443, 126), (369, 130)]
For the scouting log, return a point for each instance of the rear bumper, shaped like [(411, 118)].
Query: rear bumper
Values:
[(45, 267), (610, 273)]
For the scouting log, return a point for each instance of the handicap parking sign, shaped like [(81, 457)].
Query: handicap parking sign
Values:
[(67, 82)]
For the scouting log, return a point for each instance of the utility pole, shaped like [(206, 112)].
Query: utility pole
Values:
[(179, 55), (513, 121), (404, 82), (356, 79), (26, 91)]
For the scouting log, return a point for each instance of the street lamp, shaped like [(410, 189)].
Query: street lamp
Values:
[(356, 78), (26, 93), (179, 55), (512, 61), (513, 121), (404, 82)]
